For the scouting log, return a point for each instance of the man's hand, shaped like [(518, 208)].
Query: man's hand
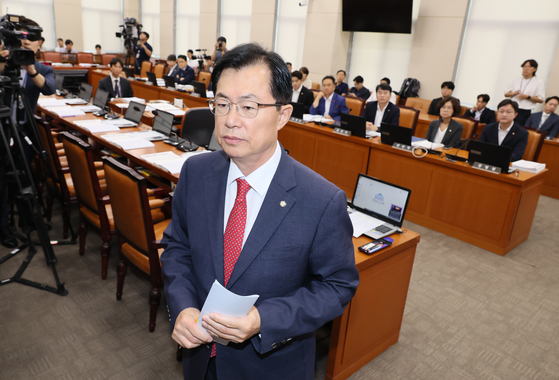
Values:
[(30, 69), (474, 109), (186, 332), (516, 93), (234, 329), (319, 95), (370, 126), (523, 96), (328, 117), (352, 95)]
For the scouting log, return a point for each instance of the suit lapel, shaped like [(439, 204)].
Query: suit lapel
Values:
[(275, 207), (215, 185), (511, 135)]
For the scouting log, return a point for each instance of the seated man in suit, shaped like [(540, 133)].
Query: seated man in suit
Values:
[(381, 110), (341, 86), (359, 91), (506, 132), (546, 121), (480, 111), (185, 73), (258, 222), (301, 94), (447, 88), (114, 84), (445, 130), (327, 103), (173, 67)]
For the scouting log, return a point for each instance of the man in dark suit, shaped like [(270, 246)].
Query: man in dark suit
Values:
[(480, 111), (506, 132), (114, 84), (359, 90), (301, 94), (341, 87), (173, 67), (327, 102), (447, 88), (258, 222), (38, 79), (185, 73), (546, 121), (381, 110)]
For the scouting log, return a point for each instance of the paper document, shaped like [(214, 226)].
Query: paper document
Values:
[(362, 223), (372, 134), (126, 142), (121, 123), (528, 166), (101, 127), (88, 108), (318, 118), (65, 111), (134, 99), (225, 302), (51, 102), (426, 144), (75, 101)]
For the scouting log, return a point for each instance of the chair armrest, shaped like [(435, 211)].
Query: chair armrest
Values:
[(58, 146), (158, 191), (156, 203)]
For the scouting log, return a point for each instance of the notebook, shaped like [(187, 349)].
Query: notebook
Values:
[(379, 207), (133, 115)]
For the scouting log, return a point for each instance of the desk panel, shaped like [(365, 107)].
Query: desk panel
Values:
[(550, 156)]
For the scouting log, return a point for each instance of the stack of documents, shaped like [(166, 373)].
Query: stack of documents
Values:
[(126, 142), (75, 101), (51, 102), (89, 108), (426, 144), (134, 99), (170, 161), (319, 118), (528, 166), (168, 108), (65, 111), (97, 126)]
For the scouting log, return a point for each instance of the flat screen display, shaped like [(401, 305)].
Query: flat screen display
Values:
[(382, 16)]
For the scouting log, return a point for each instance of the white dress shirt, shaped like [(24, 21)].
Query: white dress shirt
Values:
[(113, 79), (259, 181), (379, 115), (439, 135), (295, 96), (503, 133), (477, 114), (533, 87), (543, 120)]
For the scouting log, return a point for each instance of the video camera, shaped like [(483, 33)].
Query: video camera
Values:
[(11, 35), (202, 55), (130, 32)]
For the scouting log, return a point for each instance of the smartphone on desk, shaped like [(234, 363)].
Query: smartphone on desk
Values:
[(376, 245)]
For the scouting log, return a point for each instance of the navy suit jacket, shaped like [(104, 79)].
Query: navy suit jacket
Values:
[(487, 116), (517, 139), (298, 257), (185, 76), (306, 98), (550, 127), (342, 88), (452, 135), (337, 107), (391, 114), (32, 92), (126, 91), (173, 71)]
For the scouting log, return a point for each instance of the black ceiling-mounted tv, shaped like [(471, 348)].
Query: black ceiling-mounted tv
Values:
[(382, 16)]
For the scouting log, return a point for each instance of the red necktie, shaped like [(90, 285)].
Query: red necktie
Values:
[(234, 233)]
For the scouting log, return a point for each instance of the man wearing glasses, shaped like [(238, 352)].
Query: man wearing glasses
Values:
[(258, 222)]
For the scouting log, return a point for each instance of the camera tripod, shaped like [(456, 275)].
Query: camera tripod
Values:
[(12, 139)]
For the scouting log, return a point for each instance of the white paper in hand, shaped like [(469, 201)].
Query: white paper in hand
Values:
[(225, 302)]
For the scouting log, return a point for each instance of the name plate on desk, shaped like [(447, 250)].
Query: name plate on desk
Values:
[(196, 95), (407, 148), (343, 132), (487, 168)]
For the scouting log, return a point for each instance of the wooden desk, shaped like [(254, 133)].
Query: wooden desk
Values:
[(371, 322), (493, 212), (550, 156)]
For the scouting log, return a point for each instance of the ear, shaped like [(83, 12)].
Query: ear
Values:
[(285, 115)]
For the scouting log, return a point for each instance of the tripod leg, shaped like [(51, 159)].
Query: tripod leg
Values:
[(83, 234)]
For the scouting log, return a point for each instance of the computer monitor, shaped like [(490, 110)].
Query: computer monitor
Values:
[(129, 72), (298, 110), (357, 125), (490, 154), (152, 78), (86, 90), (134, 112), (163, 122), (169, 81), (199, 88), (390, 134), (101, 98)]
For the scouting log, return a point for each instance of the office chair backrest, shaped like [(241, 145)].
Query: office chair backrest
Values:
[(315, 86), (419, 104), (85, 58), (198, 125), (158, 70), (146, 66), (52, 56), (107, 59), (409, 117), (355, 105), (534, 146), (463, 110), (469, 124), (205, 77)]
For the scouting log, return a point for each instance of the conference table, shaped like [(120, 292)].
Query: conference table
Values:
[(491, 211), (371, 322)]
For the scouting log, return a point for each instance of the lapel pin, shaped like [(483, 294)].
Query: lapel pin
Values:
[(513, 133), (283, 204)]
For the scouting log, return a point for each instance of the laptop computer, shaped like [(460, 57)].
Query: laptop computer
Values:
[(383, 203), (84, 96), (169, 81), (298, 110), (99, 103), (199, 88), (357, 125), (390, 134), (132, 117), (490, 154), (151, 78), (161, 130)]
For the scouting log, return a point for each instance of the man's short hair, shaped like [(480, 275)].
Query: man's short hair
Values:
[(386, 80), (297, 74), (384, 87), (341, 71), (448, 85), (552, 97), (455, 105), (532, 63), (358, 79), (182, 56), (67, 42), (42, 38), (25, 22), (510, 102), (251, 54), (484, 98), (190, 51), (97, 46), (288, 63), (147, 35), (116, 60), (59, 39), (222, 39), (171, 57), (329, 77), (304, 70)]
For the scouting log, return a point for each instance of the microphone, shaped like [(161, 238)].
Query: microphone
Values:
[(455, 157), (136, 108)]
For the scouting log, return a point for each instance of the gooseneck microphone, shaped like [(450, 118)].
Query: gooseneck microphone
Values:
[(456, 157)]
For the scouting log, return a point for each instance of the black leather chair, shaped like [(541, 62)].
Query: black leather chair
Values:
[(198, 126)]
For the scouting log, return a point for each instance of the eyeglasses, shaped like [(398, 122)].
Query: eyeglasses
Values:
[(245, 108)]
